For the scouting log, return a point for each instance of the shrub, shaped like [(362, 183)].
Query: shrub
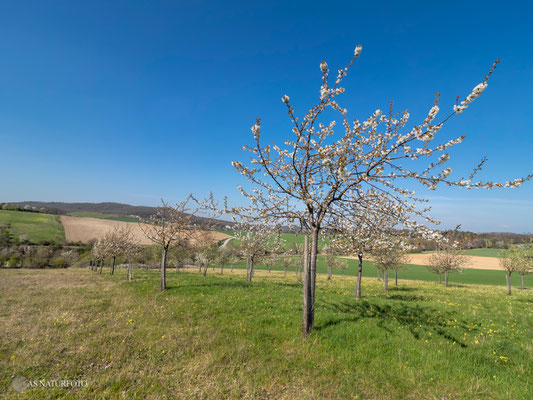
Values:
[(59, 262), (14, 261)]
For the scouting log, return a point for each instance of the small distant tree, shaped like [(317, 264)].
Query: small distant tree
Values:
[(390, 257), (333, 262), (117, 243), (270, 262), (449, 259), (205, 248), (510, 261), (168, 226), (288, 261), (438, 270), (224, 257), (181, 255), (99, 253), (257, 242), (525, 255), (342, 265)]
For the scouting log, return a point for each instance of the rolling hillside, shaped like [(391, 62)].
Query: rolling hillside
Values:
[(34, 227)]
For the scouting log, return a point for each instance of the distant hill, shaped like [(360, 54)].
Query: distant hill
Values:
[(105, 208), (114, 210)]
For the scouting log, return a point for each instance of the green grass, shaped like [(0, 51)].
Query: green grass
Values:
[(35, 227), (114, 217), (221, 337), (483, 252), (289, 239), (417, 273)]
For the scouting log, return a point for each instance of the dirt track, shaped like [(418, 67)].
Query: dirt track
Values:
[(79, 229), (475, 262)]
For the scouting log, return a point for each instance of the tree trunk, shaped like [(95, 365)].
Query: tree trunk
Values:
[(439, 279), (522, 281), (359, 276), (222, 269), (379, 275), (446, 278), (395, 277), (285, 271), (386, 280), (113, 266), (251, 272), (205, 269), (101, 266), (313, 256), (247, 269), (329, 272), (129, 271), (299, 269), (310, 257), (164, 269), (231, 268), (307, 306), (200, 268), (508, 279)]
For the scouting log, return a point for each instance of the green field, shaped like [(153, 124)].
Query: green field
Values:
[(418, 273), (483, 252), (289, 239), (35, 227), (221, 337), (114, 217)]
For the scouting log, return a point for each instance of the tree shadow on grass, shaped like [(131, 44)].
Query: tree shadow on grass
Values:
[(223, 284), (401, 289), (418, 320), (405, 297)]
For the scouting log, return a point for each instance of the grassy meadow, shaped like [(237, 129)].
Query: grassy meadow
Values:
[(483, 252), (221, 337), (35, 227)]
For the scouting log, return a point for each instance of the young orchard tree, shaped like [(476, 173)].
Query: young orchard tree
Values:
[(438, 270), (257, 242), (510, 261), (288, 261), (332, 261), (224, 257), (314, 170), (372, 224), (181, 254), (206, 251), (100, 253), (204, 240), (169, 226), (525, 254), (117, 243), (390, 257), (128, 248), (449, 259), (270, 262)]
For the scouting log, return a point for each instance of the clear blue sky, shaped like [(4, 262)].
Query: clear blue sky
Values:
[(132, 101)]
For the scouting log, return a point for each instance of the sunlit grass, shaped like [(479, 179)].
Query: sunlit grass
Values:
[(221, 337)]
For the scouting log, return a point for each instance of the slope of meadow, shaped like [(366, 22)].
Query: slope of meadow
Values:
[(221, 337), (35, 227)]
